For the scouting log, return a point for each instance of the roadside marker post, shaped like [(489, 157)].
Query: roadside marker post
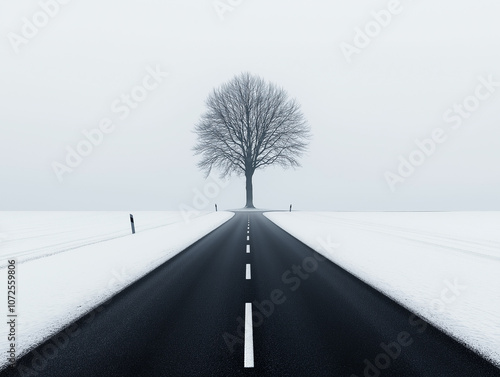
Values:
[(132, 223)]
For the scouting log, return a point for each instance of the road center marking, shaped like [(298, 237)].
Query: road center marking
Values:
[(248, 249), (248, 360), (248, 272), (248, 238)]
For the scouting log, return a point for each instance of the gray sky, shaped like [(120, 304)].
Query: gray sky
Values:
[(364, 114)]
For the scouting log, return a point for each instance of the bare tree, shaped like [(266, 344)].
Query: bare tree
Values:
[(250, 124)]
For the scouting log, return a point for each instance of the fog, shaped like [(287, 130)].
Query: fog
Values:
[(372, 77)]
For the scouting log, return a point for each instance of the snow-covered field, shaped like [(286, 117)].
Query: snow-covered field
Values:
[(443, 266), (31, 235), (70, 262)]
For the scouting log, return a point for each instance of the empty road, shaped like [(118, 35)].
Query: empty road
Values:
[(192, 316)]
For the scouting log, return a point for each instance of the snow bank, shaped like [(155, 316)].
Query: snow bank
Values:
[(55, 289), (443, 266)]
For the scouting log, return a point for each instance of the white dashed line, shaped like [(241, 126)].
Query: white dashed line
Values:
[(248, 249), (248, 275), (248, 238), (248, 361)]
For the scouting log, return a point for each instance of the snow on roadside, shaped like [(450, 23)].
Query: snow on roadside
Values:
[(55, 290), (442, 266), (31, 235)]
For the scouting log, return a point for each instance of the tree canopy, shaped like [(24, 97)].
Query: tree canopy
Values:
[(250, 124)]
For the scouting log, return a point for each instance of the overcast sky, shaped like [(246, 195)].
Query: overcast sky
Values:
[(69, 75)]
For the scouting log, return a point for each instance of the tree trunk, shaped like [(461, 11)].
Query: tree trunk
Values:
[(249, 187)]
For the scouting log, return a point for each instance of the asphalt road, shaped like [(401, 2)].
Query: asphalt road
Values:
[(191, 317)]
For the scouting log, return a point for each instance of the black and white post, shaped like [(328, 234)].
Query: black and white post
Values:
[(132, 223)]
